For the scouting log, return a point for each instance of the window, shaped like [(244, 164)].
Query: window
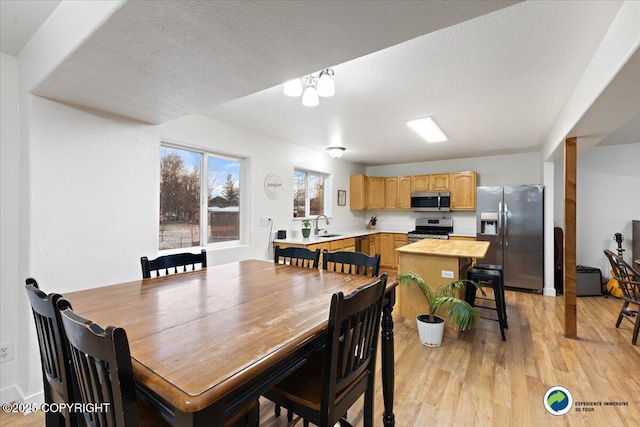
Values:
[(308, 194), (196, 207)]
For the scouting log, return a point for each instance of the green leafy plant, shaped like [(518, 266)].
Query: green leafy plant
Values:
[(458, 311), (306, 223)]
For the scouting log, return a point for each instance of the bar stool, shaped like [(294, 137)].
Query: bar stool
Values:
[(498, 268), (488, 278)]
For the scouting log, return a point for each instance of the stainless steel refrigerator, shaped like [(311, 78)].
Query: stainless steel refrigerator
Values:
[(511, 219)]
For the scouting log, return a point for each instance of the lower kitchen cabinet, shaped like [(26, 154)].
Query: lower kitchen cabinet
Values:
[(389, 242)]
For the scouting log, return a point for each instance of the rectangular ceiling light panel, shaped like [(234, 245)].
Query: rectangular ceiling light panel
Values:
[(427, 128)]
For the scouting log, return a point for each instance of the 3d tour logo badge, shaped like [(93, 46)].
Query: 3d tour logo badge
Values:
[(558, 400)]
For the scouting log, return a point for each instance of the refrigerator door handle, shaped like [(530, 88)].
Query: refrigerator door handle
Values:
[(500, 222), (506, 224)]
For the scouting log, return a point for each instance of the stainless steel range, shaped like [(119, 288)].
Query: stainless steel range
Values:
[(428, 228)]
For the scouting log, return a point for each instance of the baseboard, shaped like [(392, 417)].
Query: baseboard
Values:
[(549, 292), (9, 394), (15, 394)]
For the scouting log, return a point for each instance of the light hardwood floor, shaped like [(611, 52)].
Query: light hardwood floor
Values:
[(476, 379)]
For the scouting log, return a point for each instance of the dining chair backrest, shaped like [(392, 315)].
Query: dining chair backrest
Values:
[(351, 263), (352, 338), (628, 280), (624, 273), (101, 365), (171, 264), (54, 353), (300, 257)]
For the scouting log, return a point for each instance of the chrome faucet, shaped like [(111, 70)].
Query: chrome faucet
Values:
[(316, 230)]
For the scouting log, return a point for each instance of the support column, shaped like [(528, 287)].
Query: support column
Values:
[(570, 312)]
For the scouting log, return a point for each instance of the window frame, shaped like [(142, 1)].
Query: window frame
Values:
[(204, 202), (307, 201)]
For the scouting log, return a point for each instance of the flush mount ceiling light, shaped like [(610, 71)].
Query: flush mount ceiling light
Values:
[(335, 152), (314, 87), (427, 128)]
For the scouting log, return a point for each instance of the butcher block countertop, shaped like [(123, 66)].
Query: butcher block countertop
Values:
[(452, 248)]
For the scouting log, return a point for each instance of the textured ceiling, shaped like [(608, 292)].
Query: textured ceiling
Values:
[(495, 84), (494, 74), (157, 61)]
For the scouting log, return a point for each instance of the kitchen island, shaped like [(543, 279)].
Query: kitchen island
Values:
[(438, 262)]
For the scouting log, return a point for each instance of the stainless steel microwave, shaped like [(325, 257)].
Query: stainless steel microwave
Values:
[(422, 201)]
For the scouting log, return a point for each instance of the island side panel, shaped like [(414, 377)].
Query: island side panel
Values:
[(411, 302)]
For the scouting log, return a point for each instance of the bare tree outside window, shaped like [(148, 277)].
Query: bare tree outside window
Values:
[(308, 194), (181, 198)]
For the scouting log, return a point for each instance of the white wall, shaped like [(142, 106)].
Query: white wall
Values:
[(93, 204), (512, 169), (9, 202), (608, 199), (265, 155)]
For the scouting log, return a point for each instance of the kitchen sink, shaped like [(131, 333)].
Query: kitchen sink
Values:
[(328, 235)]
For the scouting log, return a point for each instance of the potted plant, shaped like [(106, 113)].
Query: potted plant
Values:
[(460, 313), (306, 228)]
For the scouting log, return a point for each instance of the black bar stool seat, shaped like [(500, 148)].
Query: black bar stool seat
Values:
[(493, 278)]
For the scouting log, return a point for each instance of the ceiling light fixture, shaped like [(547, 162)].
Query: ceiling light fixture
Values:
[(335, 152), (314, 87), (427, 128)]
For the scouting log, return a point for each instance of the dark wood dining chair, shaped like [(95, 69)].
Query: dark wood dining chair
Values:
[(171, 264), (54, 354), (628, 280), (351, 263), (102, 368), (332, 380), (300, 257)]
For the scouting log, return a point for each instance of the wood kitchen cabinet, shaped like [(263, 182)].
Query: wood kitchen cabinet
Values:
[(389, 242), (439, 182), (400, 240), (387, 250), (366, 192), (358, 192), (394, 192), (420, 183), (433, 182), (374, 244), (376, 192), (397, 192), (463, 191)]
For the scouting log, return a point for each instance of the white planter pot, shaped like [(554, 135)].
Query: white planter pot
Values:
[(430, 333)]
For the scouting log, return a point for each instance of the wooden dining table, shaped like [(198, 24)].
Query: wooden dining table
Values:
[(205, 343)]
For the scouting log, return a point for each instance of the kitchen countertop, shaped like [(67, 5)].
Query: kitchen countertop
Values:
[(451, 248), (338, 234), (462, 235)]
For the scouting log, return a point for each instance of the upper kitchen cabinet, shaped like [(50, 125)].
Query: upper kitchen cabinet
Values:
[(376, 192), (366, 192), (358, 192), (420, 183), (433, 182), (439, 182), (394, 192), (397, 192), (463, 191)]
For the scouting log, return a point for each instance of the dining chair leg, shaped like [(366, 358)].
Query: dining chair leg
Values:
[(622, 311), (636, 329)]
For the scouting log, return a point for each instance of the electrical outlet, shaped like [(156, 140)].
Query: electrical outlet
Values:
[(264, 221), (447, 274), (6, 352)]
